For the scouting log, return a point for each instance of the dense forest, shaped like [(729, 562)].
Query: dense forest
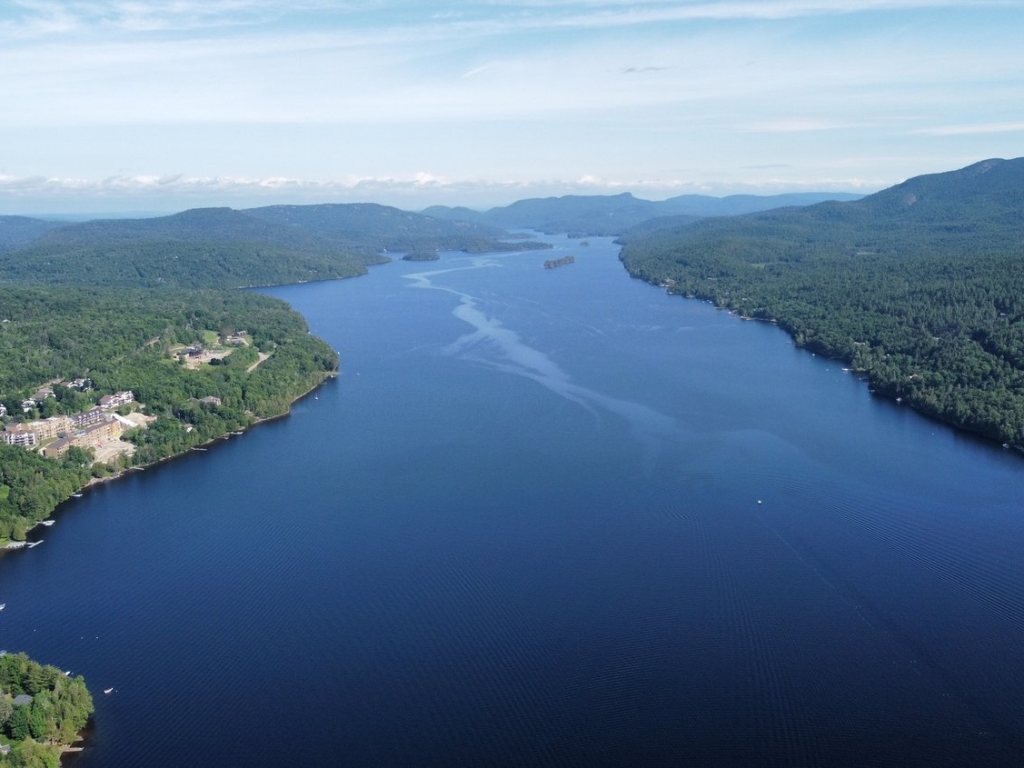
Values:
[(124, 339), (41, 711), (224, 248), (205, 248), (919, 286), (368, 228)]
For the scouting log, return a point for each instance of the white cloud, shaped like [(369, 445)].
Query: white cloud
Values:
[(970, 129), (798, 125), (179, 191)]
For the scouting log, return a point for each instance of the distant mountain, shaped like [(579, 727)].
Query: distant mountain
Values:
[(371, 228), (920, 286), (208, 247), (923, 215), (616, 214), (16, 231)]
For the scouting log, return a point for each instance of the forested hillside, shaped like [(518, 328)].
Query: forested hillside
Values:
[(371, 228), (16, 231), (919, 286), (224, 248), (204, 248)]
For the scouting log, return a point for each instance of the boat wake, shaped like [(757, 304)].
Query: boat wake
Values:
[(493, 345)]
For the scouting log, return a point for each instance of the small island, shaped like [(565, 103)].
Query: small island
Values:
[(42, 711), (553, 263), (421, 256)]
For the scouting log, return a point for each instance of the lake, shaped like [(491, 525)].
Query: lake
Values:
[(546, 518)]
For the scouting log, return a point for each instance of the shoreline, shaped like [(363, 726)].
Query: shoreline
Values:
[(874, 388), (13, 546)]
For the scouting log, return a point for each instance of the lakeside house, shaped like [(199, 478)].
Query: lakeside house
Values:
[(210, 400), (3, 410)]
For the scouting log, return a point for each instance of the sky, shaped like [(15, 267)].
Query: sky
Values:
[(163, 105)]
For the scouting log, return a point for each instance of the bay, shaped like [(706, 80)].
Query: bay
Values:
[(546, 517)]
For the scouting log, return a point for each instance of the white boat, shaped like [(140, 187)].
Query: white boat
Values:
[(2, 606), (47, 523), (108, 690), (77, 495)]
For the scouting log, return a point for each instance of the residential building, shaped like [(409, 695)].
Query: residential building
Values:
[(116, 400), (57, 448), (107, 430), (43, 393), (85, 418), (19, 434), (55, 426)]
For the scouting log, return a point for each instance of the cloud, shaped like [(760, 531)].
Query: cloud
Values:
[(798, 125), (640, 70), (39, 17), (180, 191), (970, 129)]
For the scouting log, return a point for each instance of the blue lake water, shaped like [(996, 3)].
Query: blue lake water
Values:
[(546, 518)]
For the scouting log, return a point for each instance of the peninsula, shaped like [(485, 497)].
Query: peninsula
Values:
[(42, 711), (133, 376)]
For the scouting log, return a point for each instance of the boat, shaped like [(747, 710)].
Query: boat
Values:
[(47, 523), (77, 495), (2, 606), (108, 690)]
